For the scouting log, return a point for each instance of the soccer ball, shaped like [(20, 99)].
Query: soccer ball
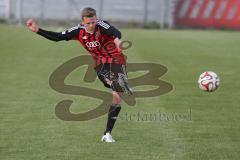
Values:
[(208, 81)]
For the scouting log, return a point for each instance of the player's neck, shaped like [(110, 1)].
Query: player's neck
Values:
[(90, 32)]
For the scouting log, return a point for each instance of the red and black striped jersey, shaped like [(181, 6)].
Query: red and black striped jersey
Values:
[(100, 44)]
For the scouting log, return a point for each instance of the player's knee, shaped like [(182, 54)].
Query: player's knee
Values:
[(116, 98)]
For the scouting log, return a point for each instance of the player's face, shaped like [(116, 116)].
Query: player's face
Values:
[(90, 23)]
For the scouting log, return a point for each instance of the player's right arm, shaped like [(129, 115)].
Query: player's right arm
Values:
[(54, 36)]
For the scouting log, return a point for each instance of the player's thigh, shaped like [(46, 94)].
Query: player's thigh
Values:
[(103, 71), (109, 74)]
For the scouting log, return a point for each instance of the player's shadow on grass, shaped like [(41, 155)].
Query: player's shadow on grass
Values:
[(62, 109)]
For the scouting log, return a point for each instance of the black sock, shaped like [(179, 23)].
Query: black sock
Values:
[(112, 117)]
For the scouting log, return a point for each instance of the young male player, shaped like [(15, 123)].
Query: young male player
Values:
[(103, 42)]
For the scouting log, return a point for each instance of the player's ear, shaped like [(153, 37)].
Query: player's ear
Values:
[(81, 22)]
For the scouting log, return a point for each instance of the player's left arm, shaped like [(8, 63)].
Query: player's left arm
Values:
[(112, 31)]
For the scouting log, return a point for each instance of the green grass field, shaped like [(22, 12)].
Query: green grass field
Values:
[(29, 128)]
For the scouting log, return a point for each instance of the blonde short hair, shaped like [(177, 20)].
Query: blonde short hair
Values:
[(88, 12)]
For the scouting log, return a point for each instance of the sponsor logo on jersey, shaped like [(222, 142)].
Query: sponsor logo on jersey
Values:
[(93, 44)]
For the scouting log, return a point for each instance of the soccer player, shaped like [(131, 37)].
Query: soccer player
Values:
[(102, 41)]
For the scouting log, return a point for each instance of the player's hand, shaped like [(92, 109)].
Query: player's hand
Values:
[(118, 43), (32, 25)]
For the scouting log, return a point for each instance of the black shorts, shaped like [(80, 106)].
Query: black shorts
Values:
[(110, 72)]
